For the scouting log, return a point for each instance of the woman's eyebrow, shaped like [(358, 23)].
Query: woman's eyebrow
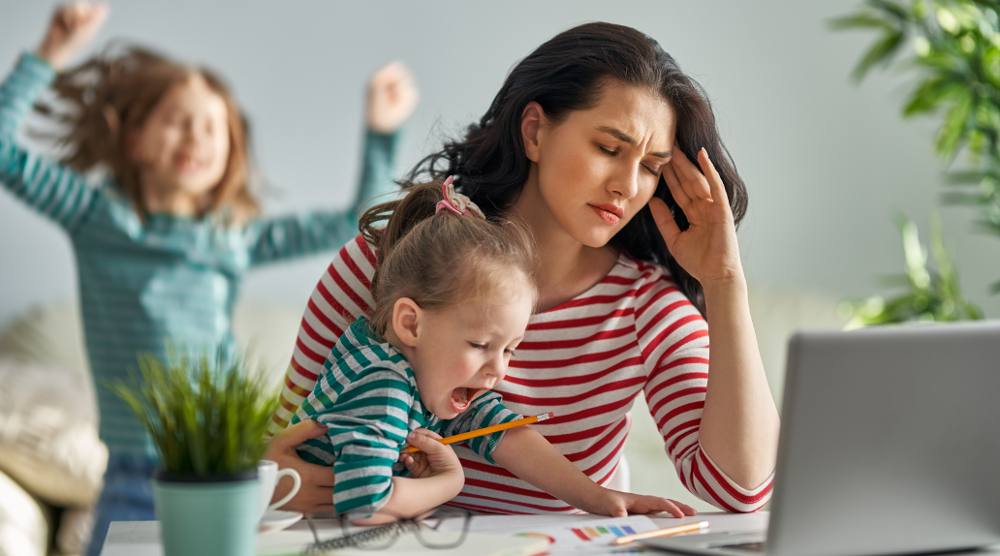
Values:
[(624, 137)]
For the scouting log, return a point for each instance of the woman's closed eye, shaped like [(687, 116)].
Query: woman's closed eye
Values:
[(654, 171), (478, 345)]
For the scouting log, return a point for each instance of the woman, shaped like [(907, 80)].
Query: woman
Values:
[(593, 143)]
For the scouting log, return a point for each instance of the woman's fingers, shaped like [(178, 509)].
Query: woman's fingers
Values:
[(664, 220), (688, 510), (680, 196), (716, 187), (693, 181), (664, 505), (295, 434), (316, 494)]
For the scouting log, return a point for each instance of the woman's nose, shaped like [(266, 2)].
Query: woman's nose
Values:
[(625, 182)]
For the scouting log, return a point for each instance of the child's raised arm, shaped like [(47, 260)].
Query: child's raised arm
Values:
[(52, 189), (71, 28), (525, 453), (392, 96)]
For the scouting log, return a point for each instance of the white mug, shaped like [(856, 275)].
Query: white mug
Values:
[(269, 475)]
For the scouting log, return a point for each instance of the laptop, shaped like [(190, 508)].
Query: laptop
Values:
[(889, 444)]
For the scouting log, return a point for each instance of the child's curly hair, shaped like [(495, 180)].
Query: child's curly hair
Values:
[(112, 94)]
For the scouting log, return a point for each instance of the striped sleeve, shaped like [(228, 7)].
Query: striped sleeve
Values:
[(287, 237), (485, 411), (674, 340), (341, 296), (295, 236), (52, 189), (20, 90), (377, 163), (367, 420)]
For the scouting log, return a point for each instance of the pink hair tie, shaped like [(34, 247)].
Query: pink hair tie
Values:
[(456, 202)]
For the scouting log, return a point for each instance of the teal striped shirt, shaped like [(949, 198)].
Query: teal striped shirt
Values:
[(367, 398), (171, 280)]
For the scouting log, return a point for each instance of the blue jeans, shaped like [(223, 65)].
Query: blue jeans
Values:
[(127, 496)]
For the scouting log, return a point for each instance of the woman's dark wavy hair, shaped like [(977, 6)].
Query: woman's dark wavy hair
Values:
[(566, 74)]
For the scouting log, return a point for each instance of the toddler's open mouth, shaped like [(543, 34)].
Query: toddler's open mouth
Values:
[(461, 398)]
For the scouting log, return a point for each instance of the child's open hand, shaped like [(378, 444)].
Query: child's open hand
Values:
[(620, 504), (72, 26), (433, 458), (392, 96)]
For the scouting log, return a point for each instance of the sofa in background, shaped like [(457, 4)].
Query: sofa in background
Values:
[(51, 460)]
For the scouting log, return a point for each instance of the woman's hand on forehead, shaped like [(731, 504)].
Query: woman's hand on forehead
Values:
[(707, 249)]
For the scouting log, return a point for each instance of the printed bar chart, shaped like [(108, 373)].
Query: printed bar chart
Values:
[(595, 533)]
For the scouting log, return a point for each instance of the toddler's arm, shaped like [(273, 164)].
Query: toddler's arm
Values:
[(438, 480), (525, 453)]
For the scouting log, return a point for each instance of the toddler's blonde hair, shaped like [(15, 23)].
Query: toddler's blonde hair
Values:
[(442, 259)]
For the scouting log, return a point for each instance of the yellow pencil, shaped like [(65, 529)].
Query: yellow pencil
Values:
[(488, 430), (665, 532)]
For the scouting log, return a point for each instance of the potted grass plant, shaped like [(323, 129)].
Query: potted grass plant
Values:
[(207, 419)]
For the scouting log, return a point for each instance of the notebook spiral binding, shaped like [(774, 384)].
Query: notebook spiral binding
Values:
[(361, 538)]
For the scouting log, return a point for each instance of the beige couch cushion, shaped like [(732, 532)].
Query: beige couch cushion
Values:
[(48, 432), (48, 416), (24, 524)]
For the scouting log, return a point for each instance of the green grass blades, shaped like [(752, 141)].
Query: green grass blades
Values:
[(206, 414)]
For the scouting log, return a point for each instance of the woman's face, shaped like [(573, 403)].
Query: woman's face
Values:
[(598, 168)]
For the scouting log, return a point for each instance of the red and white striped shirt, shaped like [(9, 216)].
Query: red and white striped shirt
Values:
[(585, 360)]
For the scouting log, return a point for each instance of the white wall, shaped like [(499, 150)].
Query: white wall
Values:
[(827, 163)]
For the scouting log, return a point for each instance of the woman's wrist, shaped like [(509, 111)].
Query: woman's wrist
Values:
[(725, 286)]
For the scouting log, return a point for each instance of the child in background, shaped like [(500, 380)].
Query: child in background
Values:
[(453, 295), (163, 241)]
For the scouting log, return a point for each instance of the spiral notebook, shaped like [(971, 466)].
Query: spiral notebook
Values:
[(292, 543)]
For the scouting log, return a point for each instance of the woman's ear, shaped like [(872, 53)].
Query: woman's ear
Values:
[(405, 323), (531, 123)]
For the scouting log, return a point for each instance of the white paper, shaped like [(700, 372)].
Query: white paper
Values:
[(583, 535)]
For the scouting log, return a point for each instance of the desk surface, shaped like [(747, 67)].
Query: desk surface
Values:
[(142, 538)]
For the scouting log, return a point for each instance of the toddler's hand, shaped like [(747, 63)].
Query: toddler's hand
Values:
[(392, 96), (433, 458), (72, 26), (620, 504)]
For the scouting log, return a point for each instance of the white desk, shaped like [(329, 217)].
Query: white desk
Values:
[(142, 538)]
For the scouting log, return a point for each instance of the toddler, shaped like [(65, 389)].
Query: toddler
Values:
[(453, 294)]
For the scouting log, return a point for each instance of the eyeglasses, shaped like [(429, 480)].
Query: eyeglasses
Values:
[(427, 530)]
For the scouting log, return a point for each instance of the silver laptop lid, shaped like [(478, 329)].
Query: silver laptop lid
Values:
[(890, 441)]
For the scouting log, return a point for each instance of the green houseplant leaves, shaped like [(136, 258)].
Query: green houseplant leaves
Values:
[(954, 48), (206, 417)]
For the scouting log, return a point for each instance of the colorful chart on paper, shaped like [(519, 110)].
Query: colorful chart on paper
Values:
[(592, 537)]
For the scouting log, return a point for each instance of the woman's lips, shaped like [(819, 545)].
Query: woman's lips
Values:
[(611, 214)]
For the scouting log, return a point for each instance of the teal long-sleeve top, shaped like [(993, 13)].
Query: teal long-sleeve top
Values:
[(169, 280)]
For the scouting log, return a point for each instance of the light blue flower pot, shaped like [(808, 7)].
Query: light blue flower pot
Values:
[(200, 517)]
